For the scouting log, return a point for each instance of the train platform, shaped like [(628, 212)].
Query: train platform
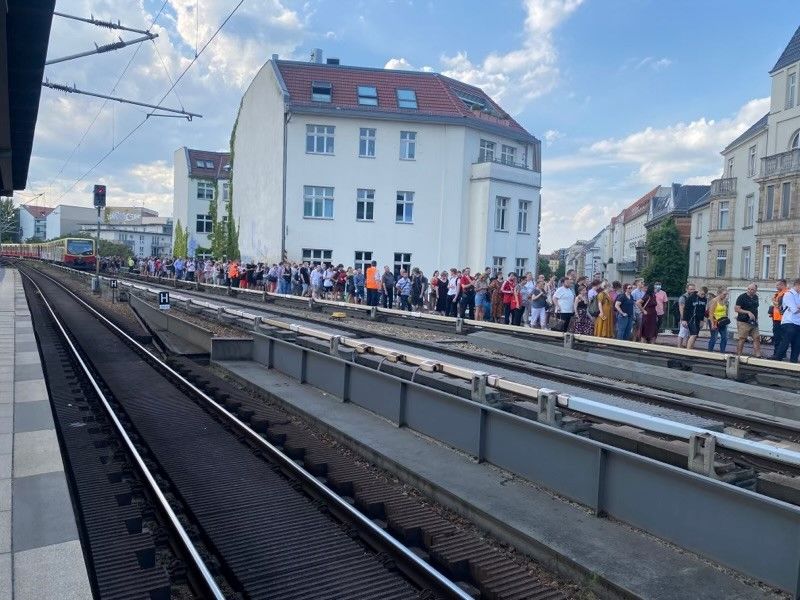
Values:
[(614, 559), (40, 549)]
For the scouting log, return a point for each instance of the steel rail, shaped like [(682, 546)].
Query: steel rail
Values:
[(207, 578), (440, 582)]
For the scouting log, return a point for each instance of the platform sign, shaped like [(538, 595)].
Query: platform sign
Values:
[(113, 284), (163, 300)]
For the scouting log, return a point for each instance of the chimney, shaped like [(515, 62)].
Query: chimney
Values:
[(316, 55), (274, 57), (333, 61)]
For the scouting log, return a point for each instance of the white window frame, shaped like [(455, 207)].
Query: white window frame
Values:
[(751, 161), (791, 89), (226, 190), (321, 138), (765, 258), (202, 224), (786, 198), (317, 202), (402, 260), (747, 259), (498, 264), (367, 95), (749, 210), (486, 151), (508, 154), (724, 221), (522, 217), (404, 199), (408, 145), (699, 226), (205, 190), (406, 98), (769, 208), (363, 258), (500, 213), (795, 141), (365, 203), (731, 163), (721, 260), (317, 256), (521, 266), (366, 142), (781, 274), (696, 264)]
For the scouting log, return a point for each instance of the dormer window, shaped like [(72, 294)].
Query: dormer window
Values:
[(204, 164), (368, 95), (321, 91), (406, 99)]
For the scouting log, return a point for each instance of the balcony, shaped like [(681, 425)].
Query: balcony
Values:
[(505, 171), (780, 165), (721, 188), (628, 266)]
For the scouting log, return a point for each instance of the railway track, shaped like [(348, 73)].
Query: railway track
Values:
[(251, 521)]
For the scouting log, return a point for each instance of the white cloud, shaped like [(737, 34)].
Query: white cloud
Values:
[(551, 136), (401, 64), (648, 62)]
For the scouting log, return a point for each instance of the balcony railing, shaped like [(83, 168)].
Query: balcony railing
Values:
[(502, 161), (723, 187), (785, 163), (628, 266)]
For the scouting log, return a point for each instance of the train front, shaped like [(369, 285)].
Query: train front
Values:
[(80, 254)]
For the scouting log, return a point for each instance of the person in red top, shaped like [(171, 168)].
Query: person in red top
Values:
[(508, 290), (466, 294)]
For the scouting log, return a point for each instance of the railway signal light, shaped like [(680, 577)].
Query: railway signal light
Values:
[(99, 196)]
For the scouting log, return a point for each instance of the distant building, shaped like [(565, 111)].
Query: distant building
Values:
[(348, 164), (66, 220), (198, 177), (141, 229), (33, 221)]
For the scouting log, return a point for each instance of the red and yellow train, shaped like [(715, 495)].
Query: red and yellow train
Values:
[(78, 253)]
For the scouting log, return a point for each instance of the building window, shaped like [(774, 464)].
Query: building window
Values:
[(319, 139), (486, 153), (402, 262), (367, 95), (366, 142), (749, 210), (521, 267), (408, 145), (786, 196), (363, 259), (508, 155), (746, 259), (770, 202), (226, 190), (751, 162), (781, 261), (406, 99), (404, 212), (765, 262), (365, 205), (724, 214), (730, 167), (205, 190), (500, 209), (522, 218), (316, 256), (791, 89), (320, 91), (498, 264), (317, 202), (699, 226), (722, 262), (203, 225), (795, 143), (696, 266), (204, 164)]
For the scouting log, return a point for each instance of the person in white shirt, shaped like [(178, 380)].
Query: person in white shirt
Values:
[(790, 324), (564, 299)]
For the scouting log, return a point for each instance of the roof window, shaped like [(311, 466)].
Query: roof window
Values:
[(368, 95), (320, 91), (406, 99)]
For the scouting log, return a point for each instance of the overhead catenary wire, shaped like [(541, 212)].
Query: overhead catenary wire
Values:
[(152, 112)]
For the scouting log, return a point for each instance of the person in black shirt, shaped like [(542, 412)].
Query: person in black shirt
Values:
[(694, 312), (747, 320)]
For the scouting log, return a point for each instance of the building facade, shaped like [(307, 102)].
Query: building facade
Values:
[(200, 176), (141, 230), (347, 165), (33, 222), (66, 220)]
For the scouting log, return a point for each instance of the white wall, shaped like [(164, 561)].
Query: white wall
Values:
[(698, 243), (783, 122), (65, 219), (180, 186)]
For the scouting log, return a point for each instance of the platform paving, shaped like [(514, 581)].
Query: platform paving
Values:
[(613, 558), (40, 552)]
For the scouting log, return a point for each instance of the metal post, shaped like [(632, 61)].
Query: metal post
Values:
[(96, 280)]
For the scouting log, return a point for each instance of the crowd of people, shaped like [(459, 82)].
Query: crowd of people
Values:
[(577, 304)]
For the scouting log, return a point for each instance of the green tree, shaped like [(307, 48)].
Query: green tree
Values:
[(218, 230), (668, 258), (180, 240), (544, 268), (231, 234), (9, 221), (108, 248), (561, 270)]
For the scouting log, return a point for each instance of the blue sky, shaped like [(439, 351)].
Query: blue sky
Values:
[(626, 94)]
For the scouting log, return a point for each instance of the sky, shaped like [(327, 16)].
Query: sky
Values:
[(624, 94)]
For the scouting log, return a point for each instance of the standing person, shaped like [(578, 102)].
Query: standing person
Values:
[(683, 331), (286, 279), (776, 315), (419, 288), (403, 287), (604, 323), (564, 301), (538, 315), (695, 311), (661, 305), (371, 283), (433, 291), (328, 280), (746, 309), (527, 286), (582, 322), (637, 294), (623, 306), (790, 333), (452, 293), (616, 290), (496, 307), (387, 281), (515, 305), (358, 285), (317, 289), (481, 288), (466, 293), (508, 289), (441, 293), (648, 305), (718, 314)]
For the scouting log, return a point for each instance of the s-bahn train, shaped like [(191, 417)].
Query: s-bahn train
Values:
[(72, 252)]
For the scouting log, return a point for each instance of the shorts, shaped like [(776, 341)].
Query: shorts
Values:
[(683, 332), (694, 327), (745, 330)]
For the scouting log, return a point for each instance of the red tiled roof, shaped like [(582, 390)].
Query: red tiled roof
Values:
[(638, 208), (37, 212), (218, 159), (437, 95)]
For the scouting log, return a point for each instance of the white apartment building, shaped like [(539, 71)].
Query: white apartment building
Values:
[(347, 164), (199, 176), (33, 221), (750, 229), (66, 220), (141, 229)]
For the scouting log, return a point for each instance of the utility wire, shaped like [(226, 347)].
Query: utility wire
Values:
[(167, 93)]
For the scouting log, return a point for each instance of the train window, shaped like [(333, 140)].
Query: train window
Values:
[(80, 247)]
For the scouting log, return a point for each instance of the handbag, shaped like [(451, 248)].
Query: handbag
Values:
[(723, 322)]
